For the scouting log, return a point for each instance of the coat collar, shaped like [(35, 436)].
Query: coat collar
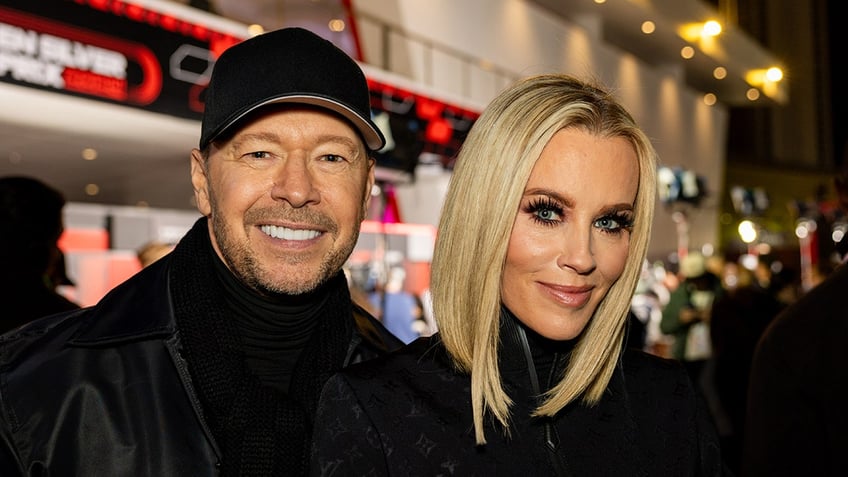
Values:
[(139, 308)]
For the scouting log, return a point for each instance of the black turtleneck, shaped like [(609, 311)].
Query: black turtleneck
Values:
[(274, 330), (521, 347)]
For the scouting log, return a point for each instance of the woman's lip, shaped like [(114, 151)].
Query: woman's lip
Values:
[(571, 296)]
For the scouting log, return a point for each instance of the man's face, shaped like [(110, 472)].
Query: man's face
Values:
[(285, 195)]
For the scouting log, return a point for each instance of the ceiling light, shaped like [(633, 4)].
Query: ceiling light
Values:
[(711, 28), (774, 74), (255, 29), (89, 154)]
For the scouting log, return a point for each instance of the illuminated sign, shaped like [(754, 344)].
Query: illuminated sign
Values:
[(415, 124), (111, 51), (123, 53)]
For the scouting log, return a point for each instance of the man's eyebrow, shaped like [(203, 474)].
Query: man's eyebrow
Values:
[(260, 136), (338, 139)]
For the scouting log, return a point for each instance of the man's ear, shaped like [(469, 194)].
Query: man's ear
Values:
[(200, 182), (370, 181)]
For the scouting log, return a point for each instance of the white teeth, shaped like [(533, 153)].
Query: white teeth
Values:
[(285, 233)]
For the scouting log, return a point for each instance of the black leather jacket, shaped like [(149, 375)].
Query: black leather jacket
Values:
[(104, 390)]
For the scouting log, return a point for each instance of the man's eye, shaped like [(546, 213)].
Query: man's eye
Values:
[(258, 155), (333, 158)]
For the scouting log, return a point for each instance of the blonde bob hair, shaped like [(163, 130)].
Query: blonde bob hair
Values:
[(491, 171)]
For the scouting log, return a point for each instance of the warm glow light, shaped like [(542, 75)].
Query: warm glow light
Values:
[(92, 189), (752, 94), (687, 52), (336, 25), (711, 28), (838, 233), (804, 228), (761, 77), (774, 74), (599, 2), (767, 80), (747, 231), (720, 72), (255, 29), (710, 99), (648, 27), (89, 154)]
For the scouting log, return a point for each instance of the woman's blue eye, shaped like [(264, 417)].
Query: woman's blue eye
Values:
[(546, 214), (614, 223), (607, 223), (545, 211)]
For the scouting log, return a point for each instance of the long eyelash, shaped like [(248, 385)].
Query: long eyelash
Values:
[(625, 222), (540, 204)]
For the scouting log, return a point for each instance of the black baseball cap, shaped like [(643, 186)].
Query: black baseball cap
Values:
[(289, 65)]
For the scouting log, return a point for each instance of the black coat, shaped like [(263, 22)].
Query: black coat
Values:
[(797, 418), (410, 414), (104, 391)]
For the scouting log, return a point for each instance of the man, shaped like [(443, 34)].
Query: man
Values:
[(210, 360), (796, 415), (30, 226)]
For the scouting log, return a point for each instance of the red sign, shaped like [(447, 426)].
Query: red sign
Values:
[(109, 50)]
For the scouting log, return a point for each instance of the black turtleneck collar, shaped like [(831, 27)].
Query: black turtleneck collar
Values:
[(274, 330), (519, 344)]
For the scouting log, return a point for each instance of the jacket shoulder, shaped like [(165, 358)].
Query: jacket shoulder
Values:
[(375, 339), (135, 309), (648, 376), (424, 355)]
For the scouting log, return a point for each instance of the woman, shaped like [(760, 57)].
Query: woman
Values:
[(540, 246)]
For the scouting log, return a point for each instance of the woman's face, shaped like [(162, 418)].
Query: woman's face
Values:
[(571, 236)]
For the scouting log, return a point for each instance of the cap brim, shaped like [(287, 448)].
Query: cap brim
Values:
[(371, 134)]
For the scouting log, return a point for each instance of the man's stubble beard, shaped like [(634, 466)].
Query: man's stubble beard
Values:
[(243, 262)]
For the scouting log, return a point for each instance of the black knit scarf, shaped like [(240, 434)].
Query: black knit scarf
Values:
[(261, 431)]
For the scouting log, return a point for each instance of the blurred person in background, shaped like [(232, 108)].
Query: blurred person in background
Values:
[(797, 417), (531, 288), (152, 251), (649, 299), (686, 316), (210, 360), (397, 308), (31, 263), (738, 318)]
